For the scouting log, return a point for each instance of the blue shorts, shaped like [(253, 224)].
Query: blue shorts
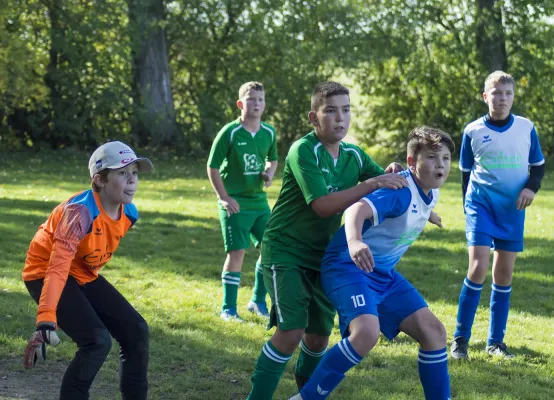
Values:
[(484, 239), (400, 300)]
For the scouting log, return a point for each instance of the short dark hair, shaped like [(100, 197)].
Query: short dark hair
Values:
[(324, 90), (103, 177), (427, 137)]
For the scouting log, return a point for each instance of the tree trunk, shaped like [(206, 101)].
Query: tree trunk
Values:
[(491, 43), (154, 120), (51, 77)]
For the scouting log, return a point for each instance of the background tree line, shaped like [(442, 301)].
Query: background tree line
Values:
[(74, 73)]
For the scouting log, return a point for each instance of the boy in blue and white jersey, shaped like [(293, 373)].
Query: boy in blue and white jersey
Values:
[(363, 284), (502, 167)]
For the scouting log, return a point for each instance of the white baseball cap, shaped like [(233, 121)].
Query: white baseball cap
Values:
[(115, 155)]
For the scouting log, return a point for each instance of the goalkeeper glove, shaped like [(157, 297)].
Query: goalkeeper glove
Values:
[(36, 347)]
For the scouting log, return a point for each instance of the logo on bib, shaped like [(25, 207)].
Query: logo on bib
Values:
[(251, 164)]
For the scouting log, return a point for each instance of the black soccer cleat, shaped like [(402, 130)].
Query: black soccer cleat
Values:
[(458, 349), (301, 381), (499, 350)]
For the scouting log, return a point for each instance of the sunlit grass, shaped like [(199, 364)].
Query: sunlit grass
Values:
[(169, 268)]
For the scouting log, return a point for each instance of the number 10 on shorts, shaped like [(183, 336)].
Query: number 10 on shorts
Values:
[(358, 300)]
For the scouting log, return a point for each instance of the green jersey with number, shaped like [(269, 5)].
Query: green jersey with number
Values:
[(240, 157), (295, 233)]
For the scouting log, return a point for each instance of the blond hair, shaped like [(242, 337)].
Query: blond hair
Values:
[(498, 77), (427, 137), (246, 87)]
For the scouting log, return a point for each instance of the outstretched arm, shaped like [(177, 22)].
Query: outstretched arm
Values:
[(337, 202)]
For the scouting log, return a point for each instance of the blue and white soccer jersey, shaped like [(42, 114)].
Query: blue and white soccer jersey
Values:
[(399, 216), (499, 160)]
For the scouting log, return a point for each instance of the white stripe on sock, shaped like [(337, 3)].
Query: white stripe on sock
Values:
[(493, 287), (309, 352), (226, 282), (274, 356), (432, 355), (432, 361), (471, 286), (231, 277), (347, 353)]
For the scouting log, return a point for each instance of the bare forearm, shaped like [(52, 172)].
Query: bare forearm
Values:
[(337, 202), (270, 168), (354, 221), (217, 183)]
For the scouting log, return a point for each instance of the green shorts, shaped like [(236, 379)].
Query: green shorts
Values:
[(238, 229), (298, 301)]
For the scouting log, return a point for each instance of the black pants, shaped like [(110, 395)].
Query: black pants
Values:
[(89, 314)]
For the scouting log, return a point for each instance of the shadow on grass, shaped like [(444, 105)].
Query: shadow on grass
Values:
[(193, 247), (438, 272)]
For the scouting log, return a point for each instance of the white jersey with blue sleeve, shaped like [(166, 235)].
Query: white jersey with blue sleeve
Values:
[(498, 159), (399, 216)]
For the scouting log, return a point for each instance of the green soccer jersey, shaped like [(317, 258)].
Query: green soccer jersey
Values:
[(240, 157), (295, 233)]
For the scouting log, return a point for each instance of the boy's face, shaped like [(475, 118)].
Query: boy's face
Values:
[(252, 105), (430, 167), (332, 119), (121, 185), (499, 98)]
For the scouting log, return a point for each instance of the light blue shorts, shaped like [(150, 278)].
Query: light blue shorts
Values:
[(400, 300), (484, 239)]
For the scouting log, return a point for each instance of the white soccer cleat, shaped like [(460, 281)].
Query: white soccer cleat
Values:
[(297, 397)]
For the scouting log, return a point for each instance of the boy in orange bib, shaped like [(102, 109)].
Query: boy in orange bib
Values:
[(61, 274)]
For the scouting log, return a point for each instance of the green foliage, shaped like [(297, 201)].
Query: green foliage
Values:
[(421, 66), (66, 74)]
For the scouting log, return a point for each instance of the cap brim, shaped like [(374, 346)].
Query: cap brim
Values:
[(144, 165)]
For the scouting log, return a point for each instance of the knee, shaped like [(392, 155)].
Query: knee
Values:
[(137, 338), (364, 338), (434, 336), (316, 343), (287, 341), (98, 346)]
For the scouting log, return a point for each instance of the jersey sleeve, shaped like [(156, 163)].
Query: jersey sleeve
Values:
[(309, 177), (71, 229), (220, 148), (466, 154), (388, 203), (370, 168), (272, 154), (535, 154)]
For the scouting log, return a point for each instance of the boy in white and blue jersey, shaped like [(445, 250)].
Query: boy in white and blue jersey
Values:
[(358, 273), (502, 167)]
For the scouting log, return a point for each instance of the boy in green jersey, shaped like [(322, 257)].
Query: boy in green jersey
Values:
[(322, 177), (243, 160)]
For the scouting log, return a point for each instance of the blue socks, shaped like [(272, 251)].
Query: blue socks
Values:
[(500, 306), (330, 371), (432, 365), (433, 373), (467, 307)]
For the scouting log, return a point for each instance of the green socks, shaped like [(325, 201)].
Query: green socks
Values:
[(307, 361), (258, 296), (269, 368), (230, 281)]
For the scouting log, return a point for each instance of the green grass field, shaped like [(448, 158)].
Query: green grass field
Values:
[(169, 268)]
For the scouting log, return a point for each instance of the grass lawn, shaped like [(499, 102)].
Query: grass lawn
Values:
[(169, 268)]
